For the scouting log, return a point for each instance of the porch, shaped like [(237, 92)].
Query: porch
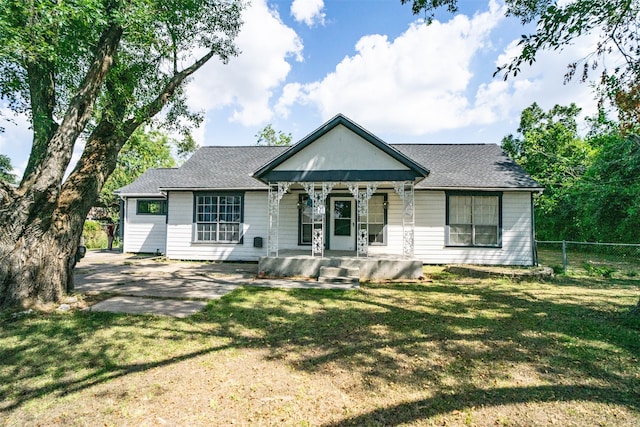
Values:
[(298, 263)]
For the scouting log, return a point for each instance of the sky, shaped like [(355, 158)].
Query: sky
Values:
[(304, 61)]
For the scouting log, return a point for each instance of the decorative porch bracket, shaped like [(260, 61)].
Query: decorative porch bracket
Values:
[(405, 190), (318, 199), (362, 226), (276, 192)]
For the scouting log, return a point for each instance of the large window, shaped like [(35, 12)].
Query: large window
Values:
[(151, 207), (218, 217), (474, 219)]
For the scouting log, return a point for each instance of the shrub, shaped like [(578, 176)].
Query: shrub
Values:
[(603, 271), (95, 237)]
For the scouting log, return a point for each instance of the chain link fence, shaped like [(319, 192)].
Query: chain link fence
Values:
[(590, 259)]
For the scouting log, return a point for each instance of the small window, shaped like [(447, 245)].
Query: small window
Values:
[(377, 220), (151, 207), (306, 219), (474, 220), (218, 218)]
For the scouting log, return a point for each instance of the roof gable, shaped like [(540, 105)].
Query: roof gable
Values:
[(343, 151)]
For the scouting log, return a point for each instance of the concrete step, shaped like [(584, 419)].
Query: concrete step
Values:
[(339, 275), (345, 280), (338, 272)]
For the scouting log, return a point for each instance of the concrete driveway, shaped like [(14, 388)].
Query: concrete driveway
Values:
[(144, 284)]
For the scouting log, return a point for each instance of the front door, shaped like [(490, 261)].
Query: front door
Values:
[(342, 225)]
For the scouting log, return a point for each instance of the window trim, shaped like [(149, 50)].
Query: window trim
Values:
[(194, 238), (301, 197), (164, 208), (385, 224), (497, 194)]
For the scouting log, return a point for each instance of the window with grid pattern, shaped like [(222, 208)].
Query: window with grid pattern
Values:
[(218, 217)]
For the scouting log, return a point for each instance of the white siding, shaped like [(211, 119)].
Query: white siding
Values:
[(340, 149), (429, 230), (143, 233), (180, 231)]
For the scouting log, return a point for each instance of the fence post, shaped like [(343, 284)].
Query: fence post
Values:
[(564, 257)]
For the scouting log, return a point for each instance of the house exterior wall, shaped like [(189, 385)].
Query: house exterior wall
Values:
[(180, 231), (430, 223), (429, 238), (143, 233), (516, 233)]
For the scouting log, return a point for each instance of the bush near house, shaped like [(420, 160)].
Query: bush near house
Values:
[(95, 236)]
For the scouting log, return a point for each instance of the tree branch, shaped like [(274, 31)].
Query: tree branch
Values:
[(48, 173)]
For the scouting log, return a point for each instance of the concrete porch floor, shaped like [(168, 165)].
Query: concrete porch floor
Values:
[(292, 263)]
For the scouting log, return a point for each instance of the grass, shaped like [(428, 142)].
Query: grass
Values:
[(623, 264), (452, 351)]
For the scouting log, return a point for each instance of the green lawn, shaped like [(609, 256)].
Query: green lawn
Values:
[(582, 260), (450, 351)]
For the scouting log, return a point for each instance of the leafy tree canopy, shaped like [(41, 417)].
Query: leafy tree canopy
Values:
[(96, 70), (5, 170), (549, 148), (142, 151), (269, 136)]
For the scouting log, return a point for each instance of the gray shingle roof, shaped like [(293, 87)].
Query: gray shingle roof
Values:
[(220, 167), (470, 166), (465, 166), (149, 182)]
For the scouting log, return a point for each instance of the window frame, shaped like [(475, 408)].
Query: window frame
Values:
[(385, 220), (218, 194), (301, 201), (472, 194), (163, 206)]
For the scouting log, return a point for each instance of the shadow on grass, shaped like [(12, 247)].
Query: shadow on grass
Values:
[(453, 337)]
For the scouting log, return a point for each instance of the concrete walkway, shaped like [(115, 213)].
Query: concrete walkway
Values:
[(151, 285)]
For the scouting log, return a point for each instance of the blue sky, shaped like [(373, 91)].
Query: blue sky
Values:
[(304, 61)]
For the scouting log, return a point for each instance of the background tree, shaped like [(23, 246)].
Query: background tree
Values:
[(5, 170), (185, 147), (142, 151), (97, 69), (608, 195), (549, 148), (269, 136)]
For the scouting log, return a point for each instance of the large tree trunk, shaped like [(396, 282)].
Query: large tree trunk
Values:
[(40, 229), (43, 219)]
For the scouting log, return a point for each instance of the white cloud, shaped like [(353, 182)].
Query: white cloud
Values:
[(423, 81), (247, 82), (414, 84), (308, 11), (542, 82)]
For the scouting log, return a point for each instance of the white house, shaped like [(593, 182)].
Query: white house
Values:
[(340, 191)]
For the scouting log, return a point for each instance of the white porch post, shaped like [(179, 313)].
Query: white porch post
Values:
[(276, 192), (318, 199), (362, 226), (405, 190)]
